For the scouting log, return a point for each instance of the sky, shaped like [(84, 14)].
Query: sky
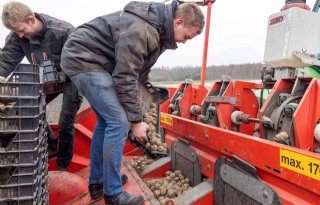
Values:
[(237, 29)]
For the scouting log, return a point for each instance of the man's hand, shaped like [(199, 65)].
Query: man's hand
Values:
[(139, 131), (3, 79), (148, 77)]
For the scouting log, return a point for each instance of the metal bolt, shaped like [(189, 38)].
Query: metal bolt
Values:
[(225, 172), (265, 194), (208, 166), (206, 136)]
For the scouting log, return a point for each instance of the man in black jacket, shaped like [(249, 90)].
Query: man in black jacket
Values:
[(105, 58), (35, 34)]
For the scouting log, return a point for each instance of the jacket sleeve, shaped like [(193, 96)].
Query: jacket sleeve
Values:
[(10, 55), (131, 49)]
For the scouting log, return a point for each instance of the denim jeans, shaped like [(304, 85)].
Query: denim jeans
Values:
[(110, 131), (70, 105)]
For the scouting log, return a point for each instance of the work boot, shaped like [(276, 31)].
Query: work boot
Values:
[(124, 199), (62, 168), (96, 190)]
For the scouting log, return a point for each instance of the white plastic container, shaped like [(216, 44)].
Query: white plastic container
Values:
[(291, 30)]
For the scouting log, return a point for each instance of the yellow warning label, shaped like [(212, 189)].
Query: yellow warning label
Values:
[(302, 164), (166, 119)]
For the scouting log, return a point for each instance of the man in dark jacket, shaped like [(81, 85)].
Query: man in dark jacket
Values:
[(33, 34), (105, 58)]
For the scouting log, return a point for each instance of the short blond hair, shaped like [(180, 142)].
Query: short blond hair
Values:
[(191, 14), (14, 12)]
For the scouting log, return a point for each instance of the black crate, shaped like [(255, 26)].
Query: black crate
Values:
[(30, 101), (25, 73), (9, 104), (15, 89), (20, 123), (26, 174), (19, 158), (24, 77), (11, 175), (24, 107), (20, 191), (15, 140), (27, 68), (25, 111), (52, 78)]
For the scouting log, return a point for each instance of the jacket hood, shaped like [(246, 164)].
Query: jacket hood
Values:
[(159, 15)]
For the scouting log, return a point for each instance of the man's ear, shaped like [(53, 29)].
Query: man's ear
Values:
[(32, 19), (178, 22)]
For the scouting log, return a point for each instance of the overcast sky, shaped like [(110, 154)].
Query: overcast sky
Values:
[(237, 34)]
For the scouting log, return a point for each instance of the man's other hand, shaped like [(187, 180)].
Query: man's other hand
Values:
[(3, 79), (139, 131)]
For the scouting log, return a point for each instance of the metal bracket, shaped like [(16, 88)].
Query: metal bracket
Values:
[(307, 59), (236, 183), (185, 159)]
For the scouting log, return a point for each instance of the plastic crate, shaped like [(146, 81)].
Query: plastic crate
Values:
[(26, 68), (26, 174), (37, 200), (19, 158), (30, 101), (20, 191), (148, 94), (7, 104), (18, 89), (25, 73), (20, 123), (15, 140), (24, 107), (52, 82)]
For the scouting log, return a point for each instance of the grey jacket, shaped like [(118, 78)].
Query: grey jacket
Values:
[(126, 44), (50, 40)]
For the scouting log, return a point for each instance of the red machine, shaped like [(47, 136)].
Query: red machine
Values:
[(211, 139), (227, 97)]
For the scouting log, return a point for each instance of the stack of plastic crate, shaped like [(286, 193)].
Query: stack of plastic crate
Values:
[(23, 139)]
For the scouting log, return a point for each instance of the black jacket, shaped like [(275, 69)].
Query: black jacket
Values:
[(49, 40), (126, 44)]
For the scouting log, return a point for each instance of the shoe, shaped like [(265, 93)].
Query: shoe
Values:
[(96, 190), (124, 199), (124, 179), (62, 168)]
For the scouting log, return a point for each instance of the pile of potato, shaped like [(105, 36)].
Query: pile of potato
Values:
[(173, 185), (139, 163), (154, 143)]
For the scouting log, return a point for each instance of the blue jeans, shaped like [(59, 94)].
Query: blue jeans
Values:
[(110, 131)]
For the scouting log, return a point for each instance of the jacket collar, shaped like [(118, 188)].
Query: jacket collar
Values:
[(167, 34), (36, 39)]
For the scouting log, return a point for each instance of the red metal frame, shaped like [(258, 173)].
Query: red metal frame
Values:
[(306, 112), (193, 95), (211, 142), (206, 43), (246, 101)]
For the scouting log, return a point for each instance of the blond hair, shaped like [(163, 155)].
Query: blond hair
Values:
[(14, 12), (191, 14)]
